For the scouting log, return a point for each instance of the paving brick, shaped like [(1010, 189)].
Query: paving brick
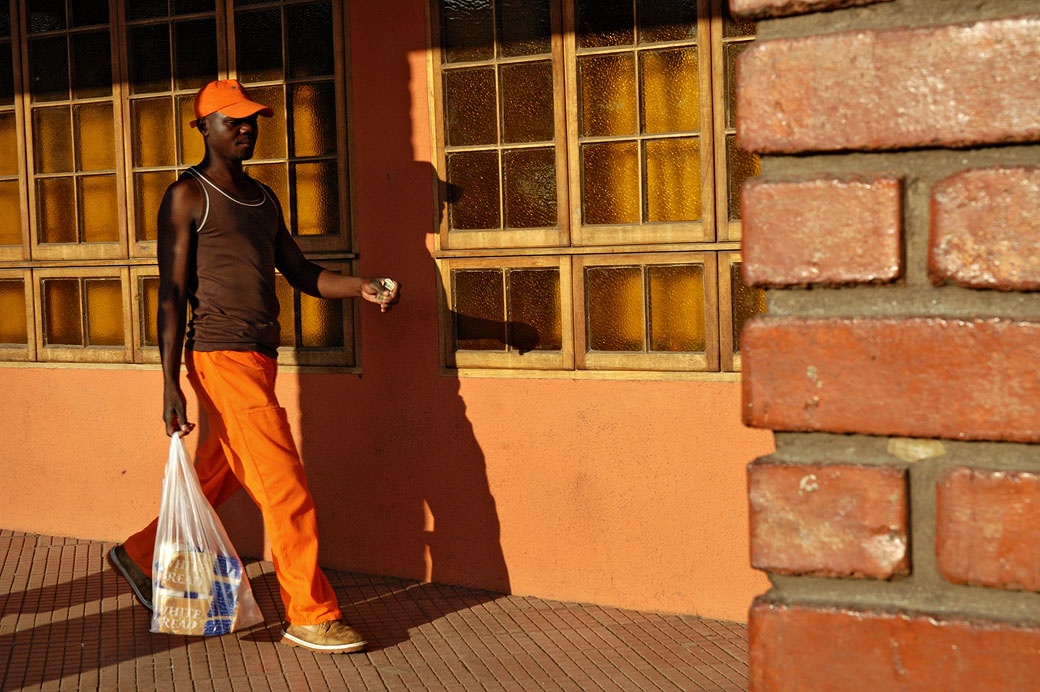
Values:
[(906, 377), (756, 9), (823, 230), (986, 531), (833, 520), (985, 232), (954, 85), (796, 647)]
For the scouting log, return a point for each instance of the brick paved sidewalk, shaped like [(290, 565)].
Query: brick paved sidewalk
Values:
[(69, 623)]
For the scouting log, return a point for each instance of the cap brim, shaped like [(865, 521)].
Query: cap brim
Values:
[(242, 109)]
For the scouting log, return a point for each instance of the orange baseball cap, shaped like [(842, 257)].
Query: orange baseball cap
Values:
[(230, 98)]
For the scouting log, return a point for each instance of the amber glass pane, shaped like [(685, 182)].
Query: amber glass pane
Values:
[(608, 95), (673, 179), (95, 143), (91, 65), (195, 51), (466, 30), (470, 111), (614, 304), (474, 176), (666, 20), (192, 148), (149, 295), (99, 209), (49, 69), (13, 324), (88, 12), (286, 311), (56, 210), (535, 310), (192, 6), (603, 22), (8, 144), (308, 31), (5, 21), (740, 165), (321, 322), (747, 302), (670, 95), (104, 312), (527, 102), (6, 74), (46, 15), (732, 27), (317, 198), (52, 140), (677, 308), (314, 119), (274, 176), (148, 193), (271, 140), (258, 43), (145, 9), (149, 58), (610, 182), (478, 296), (524, 27), (10, 213), (530, 181), (153, 134), (731, 51), (62, 312)]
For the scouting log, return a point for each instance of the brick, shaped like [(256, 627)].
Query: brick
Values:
[(903, 377), (954, 85), (985, 232), (833, 521), (822, 231), (795, 647), (757, 9), (986, 531)]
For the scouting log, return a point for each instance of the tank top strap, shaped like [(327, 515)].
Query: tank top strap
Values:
[(198, 176)]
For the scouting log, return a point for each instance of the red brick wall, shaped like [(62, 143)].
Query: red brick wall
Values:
[(896, 226)]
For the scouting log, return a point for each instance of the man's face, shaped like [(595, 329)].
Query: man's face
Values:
[(232, 138)]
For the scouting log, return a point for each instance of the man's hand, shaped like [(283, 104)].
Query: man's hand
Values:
[(174, 411), (383, 292)]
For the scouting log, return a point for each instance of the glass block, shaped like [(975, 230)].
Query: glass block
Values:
[(52, 140), (10, 213), (195, 53), (602, 23), (49, 69), (317, 198), (740, 165), (734, 28), (104, 312), (314, 119), (258, 44), (614, 305), (148, 291), (670, 95), (8, 144), (666, 20), (13, 323), (286, 311), (98, 209), (62, 312), (535, 321), (747, 302), (149, 189), (46, 15), (610, 183), (272, 137), (145, 9), (321, 322), (191, 147), (308, 30), (608, 95), (524, 27), (6, 74), (673, 179), (530, 181), (149, 59), (474, 175), (192, 6), (470, 107), (677, 308), (730, 52), (276, 177), (478, 296), (95, 142), (56, 210), (467, 33), (91, 65), (152, 133), (88, 12), (527, 102)]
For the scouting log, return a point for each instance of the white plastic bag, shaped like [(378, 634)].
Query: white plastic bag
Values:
[(199, 586)]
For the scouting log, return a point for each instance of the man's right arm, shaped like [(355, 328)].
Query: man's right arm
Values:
[(177, 214)]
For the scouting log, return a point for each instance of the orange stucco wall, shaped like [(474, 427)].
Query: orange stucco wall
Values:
[(626, 493)]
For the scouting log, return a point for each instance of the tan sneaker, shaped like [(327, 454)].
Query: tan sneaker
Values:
[(332, 637), (139, 582)]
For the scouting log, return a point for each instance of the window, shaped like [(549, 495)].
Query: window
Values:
[(95, 100), (589, 144)]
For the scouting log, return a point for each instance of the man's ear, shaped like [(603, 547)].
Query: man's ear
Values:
[(202, 124)]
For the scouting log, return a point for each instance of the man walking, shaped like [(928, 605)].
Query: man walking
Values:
[(221, 236)]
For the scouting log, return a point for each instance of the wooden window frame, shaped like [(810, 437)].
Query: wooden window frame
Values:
[(730, 360), (16, 253), (84, 354), (142, 353), (344, 359), (14, 352)]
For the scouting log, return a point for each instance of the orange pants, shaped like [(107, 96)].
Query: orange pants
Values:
[(250, 445)]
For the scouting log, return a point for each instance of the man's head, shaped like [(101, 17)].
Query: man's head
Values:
[(226, 117)]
